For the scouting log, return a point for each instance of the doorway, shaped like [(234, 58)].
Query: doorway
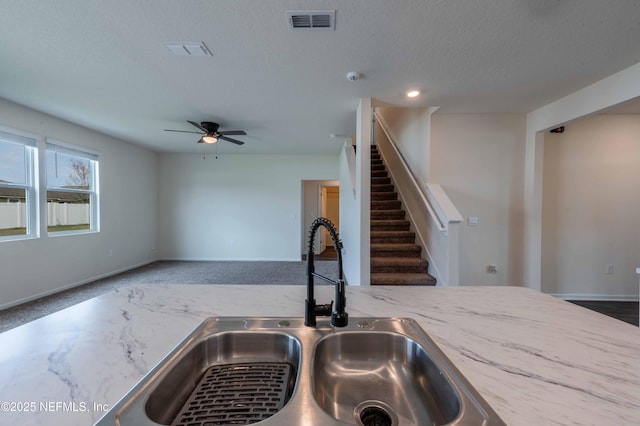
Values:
[(320, 198), (329, 208), (589, 241)]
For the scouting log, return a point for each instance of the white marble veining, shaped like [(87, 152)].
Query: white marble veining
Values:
[(535, 359)]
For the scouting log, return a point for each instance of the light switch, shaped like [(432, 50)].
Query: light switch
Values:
[(472, 220)]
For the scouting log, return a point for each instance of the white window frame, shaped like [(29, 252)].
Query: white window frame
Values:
[(30, 142), (93, 192)]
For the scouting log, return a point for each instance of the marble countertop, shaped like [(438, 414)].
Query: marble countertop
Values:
[(535, 359)]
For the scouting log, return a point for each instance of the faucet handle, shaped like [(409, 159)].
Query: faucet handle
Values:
[(324, 310)]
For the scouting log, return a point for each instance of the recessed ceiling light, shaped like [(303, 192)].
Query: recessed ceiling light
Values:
[(413, 93)]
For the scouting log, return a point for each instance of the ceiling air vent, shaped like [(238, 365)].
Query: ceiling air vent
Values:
[(311, 20)]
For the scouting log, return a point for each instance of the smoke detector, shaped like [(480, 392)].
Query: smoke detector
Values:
[(353, 76), (311, 20)]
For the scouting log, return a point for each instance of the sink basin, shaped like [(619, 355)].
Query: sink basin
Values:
[(383, 376), (227, 371), (248, 375), (277, 371)]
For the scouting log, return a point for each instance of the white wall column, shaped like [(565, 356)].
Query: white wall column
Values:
[(363, 181), (355, 184)]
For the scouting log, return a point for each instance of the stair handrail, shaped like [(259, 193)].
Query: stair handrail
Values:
[(442, 225)]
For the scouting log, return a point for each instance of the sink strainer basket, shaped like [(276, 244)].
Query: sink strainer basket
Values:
[(237, 394)]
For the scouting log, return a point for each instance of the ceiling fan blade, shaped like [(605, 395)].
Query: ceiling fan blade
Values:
[(193, 123), (181, 131), (237, 142), (233, 132)]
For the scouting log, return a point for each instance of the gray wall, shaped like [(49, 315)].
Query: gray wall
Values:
[(36, 267), (236, 207)]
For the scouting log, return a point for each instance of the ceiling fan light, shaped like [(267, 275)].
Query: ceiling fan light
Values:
[(209, 139)]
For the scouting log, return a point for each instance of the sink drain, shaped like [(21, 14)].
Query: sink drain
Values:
[(375, 413)]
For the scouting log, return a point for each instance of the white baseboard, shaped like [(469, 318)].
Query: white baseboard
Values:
[(597, 297), (226, 259), (76, 284)]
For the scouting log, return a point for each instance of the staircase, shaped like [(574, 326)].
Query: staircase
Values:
[(395, 257)]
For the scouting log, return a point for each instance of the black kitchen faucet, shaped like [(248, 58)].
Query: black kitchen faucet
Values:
[(339, 318)]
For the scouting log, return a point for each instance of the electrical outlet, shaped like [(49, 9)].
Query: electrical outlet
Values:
[(608, 269), (472, 220), (492, 269)]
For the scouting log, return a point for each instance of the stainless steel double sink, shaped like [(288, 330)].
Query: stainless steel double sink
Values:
[(277, 371)]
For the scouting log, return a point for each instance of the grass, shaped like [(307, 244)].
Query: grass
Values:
[(12, 231), (59, 228), (22, 231)]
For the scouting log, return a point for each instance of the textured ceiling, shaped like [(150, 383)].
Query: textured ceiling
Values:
[(102, 64)]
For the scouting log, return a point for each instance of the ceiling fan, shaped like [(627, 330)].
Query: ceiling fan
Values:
[(210, 133)]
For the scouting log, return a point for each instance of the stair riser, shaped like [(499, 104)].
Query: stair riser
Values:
[(395, 253), (393, 240), (384, 196), (402, 280), (388, 215), (382, 188), (391, 269), (387, 222), (385, 205), (380, 180), (392, 227)]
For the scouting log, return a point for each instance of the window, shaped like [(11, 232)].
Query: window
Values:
[(72, 188), (18, 203)]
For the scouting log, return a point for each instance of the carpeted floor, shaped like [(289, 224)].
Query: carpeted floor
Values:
[(170, 272), (166, 272)]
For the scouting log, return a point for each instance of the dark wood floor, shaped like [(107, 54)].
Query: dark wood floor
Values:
[(623, 311)]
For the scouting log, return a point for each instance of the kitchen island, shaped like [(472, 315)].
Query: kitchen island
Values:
[(535, 359)]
